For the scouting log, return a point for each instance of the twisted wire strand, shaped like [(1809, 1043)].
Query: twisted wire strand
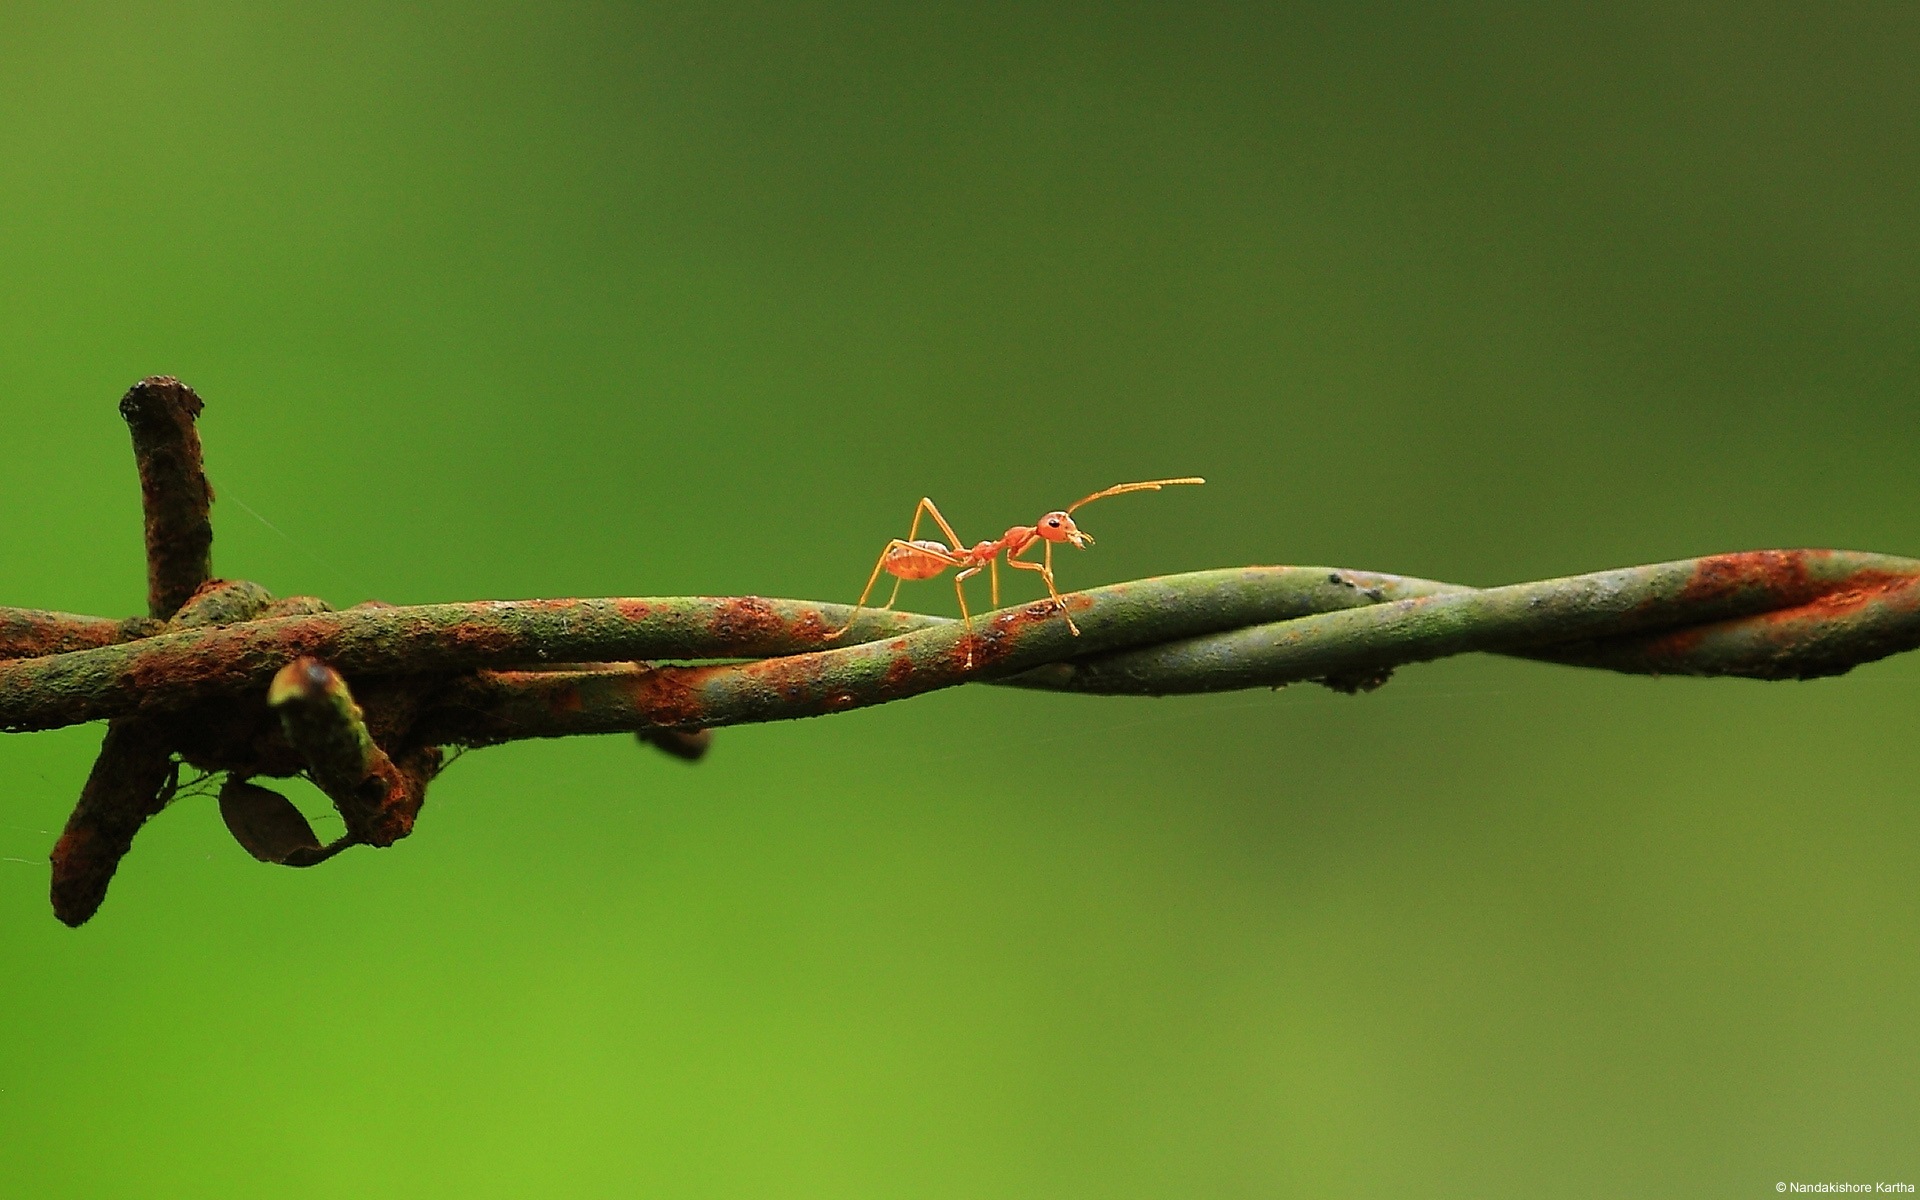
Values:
[(1762, 614), (363, 700), (1765, 614)]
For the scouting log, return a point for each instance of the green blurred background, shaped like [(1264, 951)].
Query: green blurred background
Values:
[(498, 301)]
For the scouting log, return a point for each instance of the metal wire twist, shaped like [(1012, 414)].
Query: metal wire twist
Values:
[(226, 679)]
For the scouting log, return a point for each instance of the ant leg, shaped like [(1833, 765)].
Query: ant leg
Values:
[(927, 505), (866, 591), (1046, 573), (993, 573), (965, 616), (921, 509), (1055, 591)]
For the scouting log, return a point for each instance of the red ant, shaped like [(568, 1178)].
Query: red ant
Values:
[(907, 558)]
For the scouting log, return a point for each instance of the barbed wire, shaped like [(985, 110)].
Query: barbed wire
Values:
[(224, 678)]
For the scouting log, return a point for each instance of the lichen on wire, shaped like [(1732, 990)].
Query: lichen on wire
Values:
[(224, 678)]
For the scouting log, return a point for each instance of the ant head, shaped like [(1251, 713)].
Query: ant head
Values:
[(1059, 527)]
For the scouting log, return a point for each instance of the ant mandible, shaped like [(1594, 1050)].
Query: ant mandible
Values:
[(910, 558)]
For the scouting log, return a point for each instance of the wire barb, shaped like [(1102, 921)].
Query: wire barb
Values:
[(174, 492), (375, 798)]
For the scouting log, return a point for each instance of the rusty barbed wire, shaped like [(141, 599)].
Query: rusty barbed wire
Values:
[(225, 679)]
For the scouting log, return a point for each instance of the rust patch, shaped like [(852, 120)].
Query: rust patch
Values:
[(1861, 589), (1669, 653), (132, 779), (31, 635), (899, 670), (746, 621), (174, 494), (211, 585), (1781, 574), (1794, 631), (633, 610), (669, 695), (1869, 584), (395, 795), (810, 629), (146, 674), (794, 677), (74, 847), (1878, 581), (1007, 631), (483, 639)]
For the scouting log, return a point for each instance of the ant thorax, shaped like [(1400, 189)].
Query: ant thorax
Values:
[(1019, 538)]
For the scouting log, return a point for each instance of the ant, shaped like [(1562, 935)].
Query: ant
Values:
[(907, 558)]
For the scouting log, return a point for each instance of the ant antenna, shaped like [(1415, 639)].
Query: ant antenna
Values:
[(1152, 485)]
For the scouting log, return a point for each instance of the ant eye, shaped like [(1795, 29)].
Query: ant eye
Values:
[(1053, 522)]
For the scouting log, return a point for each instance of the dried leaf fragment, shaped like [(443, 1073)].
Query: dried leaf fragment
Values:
[(269, 827)]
